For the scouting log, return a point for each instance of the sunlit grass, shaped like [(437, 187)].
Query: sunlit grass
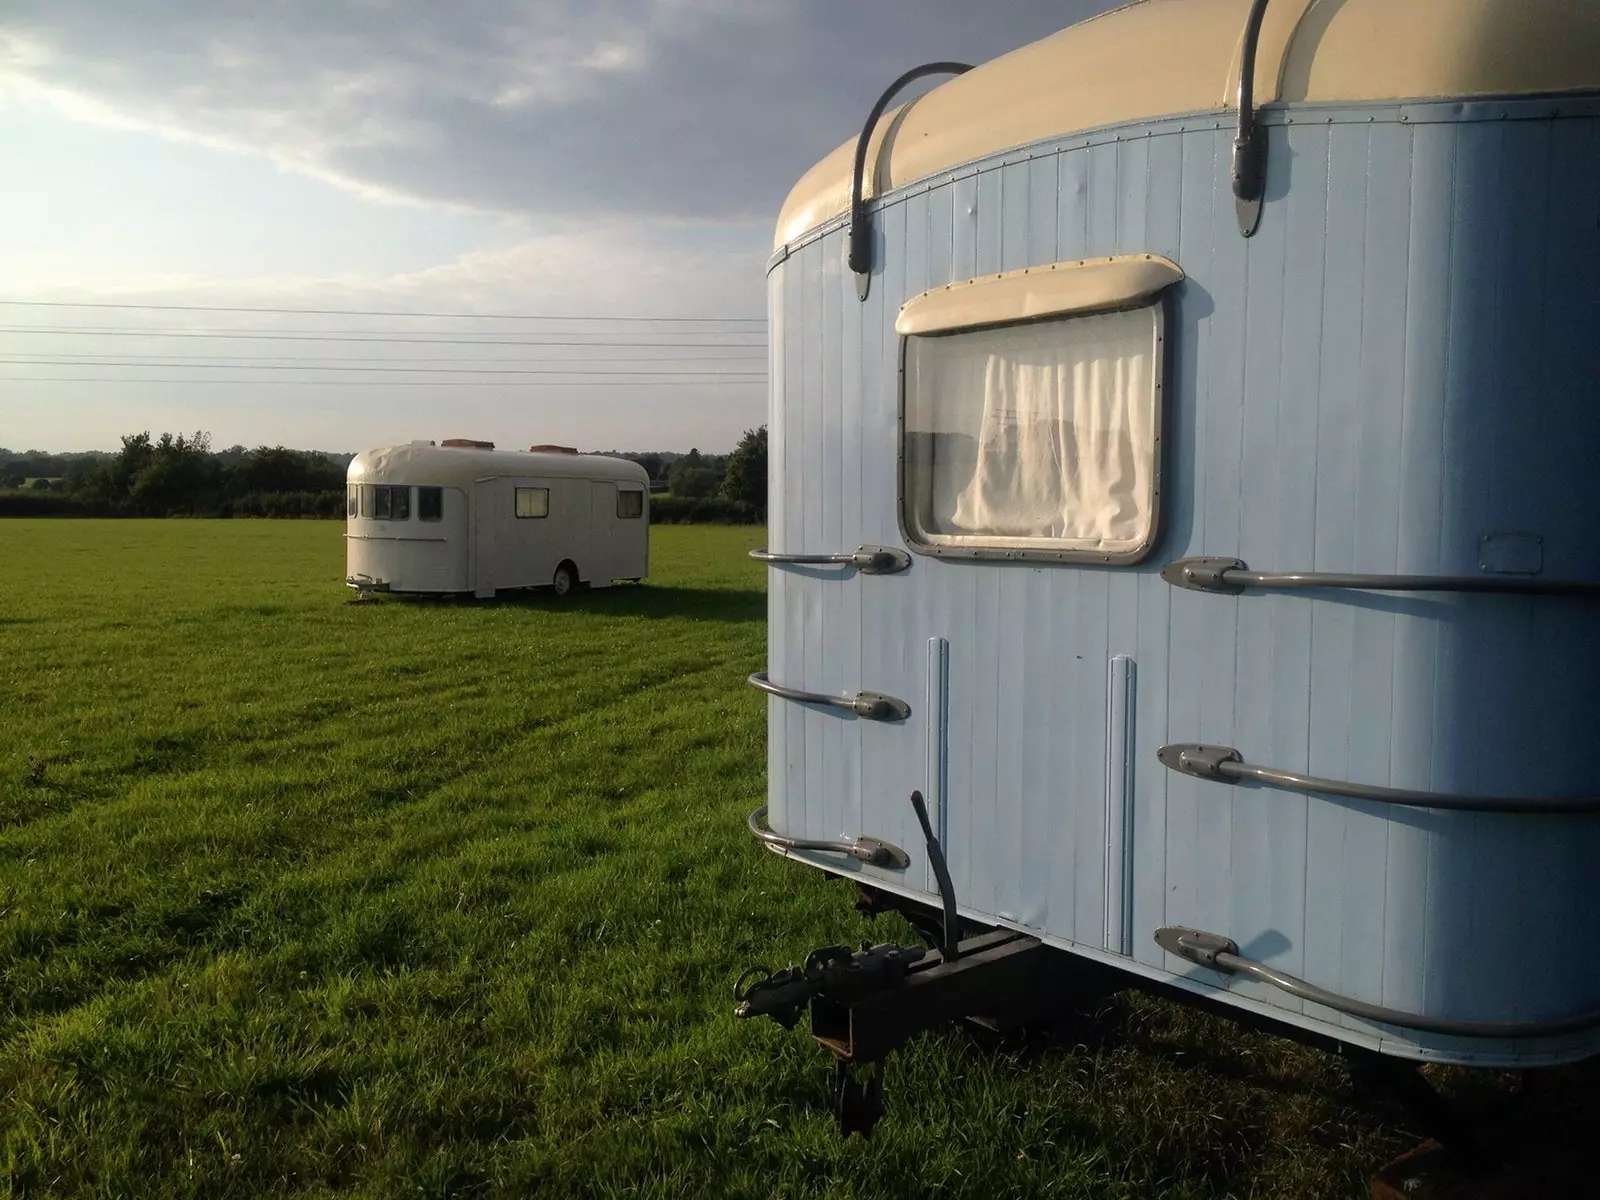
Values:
[(304, 897)]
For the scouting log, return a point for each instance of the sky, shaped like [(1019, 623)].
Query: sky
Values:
[(559, 169)]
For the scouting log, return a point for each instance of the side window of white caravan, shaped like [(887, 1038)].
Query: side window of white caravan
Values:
[(629, 503), (430, 504), (352, 500), (533, 502), (1035, 438)]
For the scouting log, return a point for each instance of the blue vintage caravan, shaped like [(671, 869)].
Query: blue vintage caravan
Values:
[(1185, 482)]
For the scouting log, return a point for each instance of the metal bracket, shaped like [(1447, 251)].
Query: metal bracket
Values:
[(1196, 945), (1201, 761), (1203, 574)]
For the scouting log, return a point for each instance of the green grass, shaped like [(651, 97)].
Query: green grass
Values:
[(300, 897)]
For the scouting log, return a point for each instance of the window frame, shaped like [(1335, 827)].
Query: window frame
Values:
[(914, 538), (634, 516), (352, 501), (516, 491), (438, 493)]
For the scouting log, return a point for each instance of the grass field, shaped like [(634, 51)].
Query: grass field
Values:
[(306, 898)]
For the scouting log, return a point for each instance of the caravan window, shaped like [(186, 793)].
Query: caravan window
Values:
[(533, 502), (430, 504), (352, 500), (381, 502), (1035, 440), (630, 504)]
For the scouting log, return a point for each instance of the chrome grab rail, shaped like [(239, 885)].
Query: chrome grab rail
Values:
[(1224, 764), (869, 560), (869, 850), (859, 244), (874, 706), (1229, 576), (1220, 953), (1249, 147)]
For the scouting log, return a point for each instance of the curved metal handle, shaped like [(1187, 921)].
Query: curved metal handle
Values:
[(1224, 764), (874, 706), (869, 560), (860, 231), (1229, 576), (869, 850), (1249, 147), (1222, 954)]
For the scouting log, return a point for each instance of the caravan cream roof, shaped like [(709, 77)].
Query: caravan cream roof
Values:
[(457, 466), (1163, 58)]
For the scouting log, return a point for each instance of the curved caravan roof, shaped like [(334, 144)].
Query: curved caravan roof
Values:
[(1165, 58), (458, 466)]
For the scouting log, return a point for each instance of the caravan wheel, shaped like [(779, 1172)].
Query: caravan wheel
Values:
[(565, 580)]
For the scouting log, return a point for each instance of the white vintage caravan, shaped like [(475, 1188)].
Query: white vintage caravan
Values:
[(465, 517), (1183, 482)]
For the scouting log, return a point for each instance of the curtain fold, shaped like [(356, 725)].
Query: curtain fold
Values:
[(1040, 433)]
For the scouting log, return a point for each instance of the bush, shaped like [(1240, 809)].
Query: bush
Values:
[(321, 505), (48, 504), (708, 510)]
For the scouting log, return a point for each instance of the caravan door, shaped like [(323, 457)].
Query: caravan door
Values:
[(602, 532), (482, 521)]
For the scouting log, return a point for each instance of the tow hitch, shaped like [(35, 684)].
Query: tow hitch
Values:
[(867, 1002)]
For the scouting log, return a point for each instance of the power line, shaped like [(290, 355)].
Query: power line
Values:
[(55, 362), (381, 382), (404, 341), (88, 360), (379, 312)]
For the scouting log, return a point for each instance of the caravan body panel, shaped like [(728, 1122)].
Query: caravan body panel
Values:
[(1396, 374)]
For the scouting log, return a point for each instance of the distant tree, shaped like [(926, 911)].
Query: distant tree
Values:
[(179, 477), (276, 469), (40, 485), (692, 477), (746, 477), (80, 474)]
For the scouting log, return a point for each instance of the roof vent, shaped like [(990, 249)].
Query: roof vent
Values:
[(552, 449), (467, 444)]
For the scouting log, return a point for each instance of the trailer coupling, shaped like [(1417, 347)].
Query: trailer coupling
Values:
[(867, 1003)]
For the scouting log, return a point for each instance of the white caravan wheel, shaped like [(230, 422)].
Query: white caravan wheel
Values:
[(564, 580)]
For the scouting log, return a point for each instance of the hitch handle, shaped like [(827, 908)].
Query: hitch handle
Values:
[(950, 946)]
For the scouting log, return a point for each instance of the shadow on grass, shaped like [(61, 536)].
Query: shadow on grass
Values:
[(20, 620), (626, 600)]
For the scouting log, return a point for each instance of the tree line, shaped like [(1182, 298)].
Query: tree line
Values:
[(180, 475)]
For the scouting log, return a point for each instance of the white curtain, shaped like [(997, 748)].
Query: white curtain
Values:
[(1040, 433)]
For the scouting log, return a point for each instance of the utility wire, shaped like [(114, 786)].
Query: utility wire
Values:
[(379, 312), (382, 382), (89, 360), (55, 362), (404, 341)]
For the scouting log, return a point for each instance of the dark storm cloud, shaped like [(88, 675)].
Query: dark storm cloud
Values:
[(655, 108)]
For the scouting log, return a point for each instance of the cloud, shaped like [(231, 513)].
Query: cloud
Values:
[(686, 109)]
